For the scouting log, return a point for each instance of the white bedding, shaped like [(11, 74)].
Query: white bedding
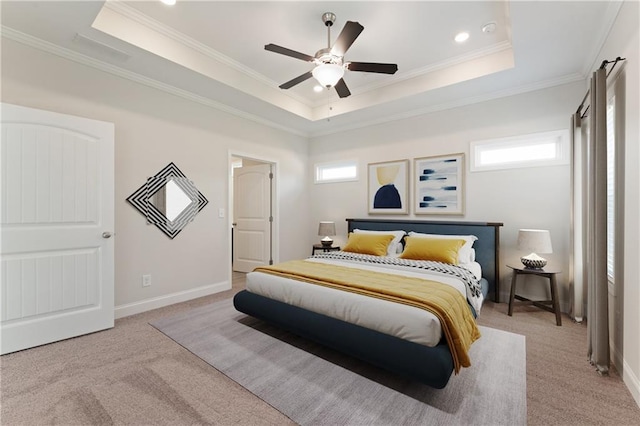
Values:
[(406, 322)]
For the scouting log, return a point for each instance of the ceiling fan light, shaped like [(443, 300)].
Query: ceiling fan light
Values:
[(328, 75)]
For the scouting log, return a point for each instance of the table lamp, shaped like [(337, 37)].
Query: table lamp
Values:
[(327, 229), (536, 241)]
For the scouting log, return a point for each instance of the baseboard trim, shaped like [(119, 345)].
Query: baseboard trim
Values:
[(632, 381), (128, 309)]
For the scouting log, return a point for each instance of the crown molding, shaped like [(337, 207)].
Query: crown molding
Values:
[(456, 60), (608, 19), (532, 87), (46, 46), (418, 72), (144, 20), (74, 56)]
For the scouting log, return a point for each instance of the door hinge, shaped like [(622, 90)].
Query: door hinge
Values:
[(270, 218), (270, 175)]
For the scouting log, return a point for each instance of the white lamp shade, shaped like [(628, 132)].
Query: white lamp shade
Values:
[(534, 240), (328, 75), (326, 229)]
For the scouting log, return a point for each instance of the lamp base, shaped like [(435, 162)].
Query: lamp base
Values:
[(533, 261), (326, 243)]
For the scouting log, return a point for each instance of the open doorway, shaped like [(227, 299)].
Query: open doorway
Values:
[(252, 206)]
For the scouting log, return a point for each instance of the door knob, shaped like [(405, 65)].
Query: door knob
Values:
[(106, 234)]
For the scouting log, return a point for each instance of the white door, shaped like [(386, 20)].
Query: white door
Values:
[(252, 217), (56, 219)]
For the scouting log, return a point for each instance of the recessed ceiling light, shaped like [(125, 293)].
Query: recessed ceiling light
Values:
[(317, 88), (461, 37), (169, 2)]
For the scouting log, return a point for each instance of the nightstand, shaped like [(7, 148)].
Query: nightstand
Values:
[(548, 305), (317, 247)]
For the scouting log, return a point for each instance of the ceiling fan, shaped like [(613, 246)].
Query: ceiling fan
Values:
[(330, 64)]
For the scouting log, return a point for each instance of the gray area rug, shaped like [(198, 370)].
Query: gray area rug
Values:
[(312, 384)]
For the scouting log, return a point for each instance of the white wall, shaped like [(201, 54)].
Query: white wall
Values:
[(520, 198), (153, 129), (624, 41)]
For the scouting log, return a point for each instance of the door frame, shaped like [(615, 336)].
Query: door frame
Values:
[(275, 241)]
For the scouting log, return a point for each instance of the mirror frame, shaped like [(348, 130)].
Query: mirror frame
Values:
[(141, 200)]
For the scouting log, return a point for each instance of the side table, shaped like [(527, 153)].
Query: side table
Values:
[(317, 247), (548, 305)]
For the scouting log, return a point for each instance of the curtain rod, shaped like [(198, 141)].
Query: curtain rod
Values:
[(603, 65), (614, 62)]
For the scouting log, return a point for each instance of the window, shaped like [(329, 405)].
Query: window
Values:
[(615, 182), (538, 149), (611, 185), (343, 171)]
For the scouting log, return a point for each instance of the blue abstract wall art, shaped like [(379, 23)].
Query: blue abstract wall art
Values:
[(439, 184)]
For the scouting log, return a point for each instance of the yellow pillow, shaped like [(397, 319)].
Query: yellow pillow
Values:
[(374, 244), (439, 250)]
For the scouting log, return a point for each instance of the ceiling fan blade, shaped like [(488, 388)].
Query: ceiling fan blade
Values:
[(348, 35), (372, 67), (289, 84), (342, 89), (284, 51)]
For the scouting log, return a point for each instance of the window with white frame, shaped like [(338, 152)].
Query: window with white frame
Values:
[(611, 187), (532, 150), (339, 171)]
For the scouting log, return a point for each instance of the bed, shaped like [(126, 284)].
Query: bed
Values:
[(429, 363)]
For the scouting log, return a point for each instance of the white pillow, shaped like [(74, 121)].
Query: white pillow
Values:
[(392, 248), (466, 253)]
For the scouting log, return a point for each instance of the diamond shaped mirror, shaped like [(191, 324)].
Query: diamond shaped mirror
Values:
[(168, 200)]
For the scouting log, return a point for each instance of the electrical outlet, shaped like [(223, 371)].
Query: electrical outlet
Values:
[(146, 280)]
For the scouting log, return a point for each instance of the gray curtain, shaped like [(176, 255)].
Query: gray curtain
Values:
[(595, 241)]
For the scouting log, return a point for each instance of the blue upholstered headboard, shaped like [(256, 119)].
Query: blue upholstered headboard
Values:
[(487, 246)]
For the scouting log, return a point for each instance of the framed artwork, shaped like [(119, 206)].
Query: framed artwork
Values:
[(439, 184), (388, 185)]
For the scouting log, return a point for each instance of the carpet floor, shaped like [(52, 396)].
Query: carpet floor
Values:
[(312, 384), (134, 375)]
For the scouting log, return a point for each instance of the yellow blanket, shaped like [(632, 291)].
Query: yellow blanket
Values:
[(445, 302)]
